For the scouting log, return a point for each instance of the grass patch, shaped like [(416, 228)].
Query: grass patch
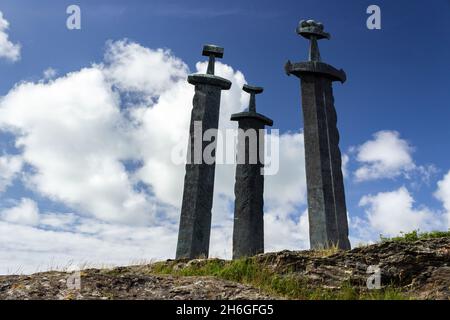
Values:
[(288, 285), (416, 235), (325, 252)]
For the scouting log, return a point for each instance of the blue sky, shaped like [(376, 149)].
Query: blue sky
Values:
[(398, 77)]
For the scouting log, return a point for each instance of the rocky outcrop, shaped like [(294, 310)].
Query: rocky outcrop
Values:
[(419, 269), (124, 283)]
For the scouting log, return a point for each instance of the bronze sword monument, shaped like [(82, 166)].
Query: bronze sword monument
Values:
[(195, 220), (327, 210), (248, 228)]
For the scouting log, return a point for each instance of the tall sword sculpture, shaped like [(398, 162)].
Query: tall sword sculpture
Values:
[(195, 220), (327, 211), (248, 228)]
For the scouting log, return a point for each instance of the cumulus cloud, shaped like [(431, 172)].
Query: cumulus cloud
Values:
[(27, 249), (10, 167), (74, 138), (393, 212), (390, 213), (99, 141), (385, 156), (8, 50), (443, 194), (285, 232), (288, 186), (134, 68), (57, 220), (345, 161), (26, 213)]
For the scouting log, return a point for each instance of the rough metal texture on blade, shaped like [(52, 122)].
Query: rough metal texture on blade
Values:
[(248, 228), (195, 220), (327, 212), (325, 184)]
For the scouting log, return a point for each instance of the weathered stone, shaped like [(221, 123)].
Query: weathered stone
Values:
[(248, 230), (125, 283), (419, 269), (195, 220), (327, 210)]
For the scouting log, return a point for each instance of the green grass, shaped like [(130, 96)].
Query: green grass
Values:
[(416, 235), (288, 285)]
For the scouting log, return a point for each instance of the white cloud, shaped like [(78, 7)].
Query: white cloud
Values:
[(390, 213), (26, 212), (50, 73), (72, 133), (10, 167), (443, 194), (59, 221), (360, 232), (8, 50), (284, 232), (134, 68), (26, 249), (393, 212), (345, 161), (386, 156), (288, 186)]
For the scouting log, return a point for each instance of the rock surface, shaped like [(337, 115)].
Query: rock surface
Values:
[(421, 269), (124, 283)]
